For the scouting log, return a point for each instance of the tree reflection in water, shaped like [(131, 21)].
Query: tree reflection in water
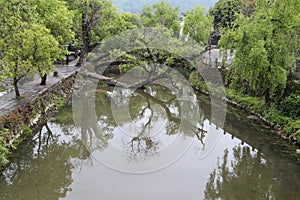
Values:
[(42, 169), (249, 176), (152, 108)]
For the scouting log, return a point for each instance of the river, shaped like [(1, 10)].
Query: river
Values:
[(149, 152)]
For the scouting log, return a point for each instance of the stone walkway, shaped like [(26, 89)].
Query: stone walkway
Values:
[(30, 89)]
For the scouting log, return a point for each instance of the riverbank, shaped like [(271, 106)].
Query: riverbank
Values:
[(20, 117), (286, 127)]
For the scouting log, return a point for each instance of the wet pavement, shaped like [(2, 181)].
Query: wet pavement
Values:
[(29, 90)]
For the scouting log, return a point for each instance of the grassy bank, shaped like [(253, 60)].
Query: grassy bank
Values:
[(279, 117)]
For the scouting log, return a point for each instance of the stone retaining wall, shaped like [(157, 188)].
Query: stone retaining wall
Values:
[(34, 113)]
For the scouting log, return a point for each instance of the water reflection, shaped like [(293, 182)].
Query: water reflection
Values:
[(57, 163), (246, 174), (154, 120), (42, 170)]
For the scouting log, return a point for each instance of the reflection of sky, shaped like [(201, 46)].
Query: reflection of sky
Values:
[(185, 179)]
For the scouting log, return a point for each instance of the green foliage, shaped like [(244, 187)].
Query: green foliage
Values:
[(91, 57), (151, 46), (195, 79), (59, 101), (224, 13), (26, 130), (30, 36), (273, 116), (131, 62), (95, 20), (27, 50), (161, 15), (293, 129), (56, 16), (249, 102), (293, 126), (131, 21), (290, 106), (263, 52), (197, 25), (292, 87)]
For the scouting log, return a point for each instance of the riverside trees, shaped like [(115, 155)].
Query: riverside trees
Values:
[(266, 45), (33, 33), (197, 25), (94, 20), (30, 38)]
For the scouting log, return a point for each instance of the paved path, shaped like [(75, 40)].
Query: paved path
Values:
[(29, 90)]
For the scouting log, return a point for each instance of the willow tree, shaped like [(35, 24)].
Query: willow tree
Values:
[(265, 45)]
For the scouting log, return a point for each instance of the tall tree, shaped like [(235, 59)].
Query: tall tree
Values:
[(25, 46), (30, 49), (93, 21), (197, 25), (55, 16), (224, 13), (265, 47), (161, 15)]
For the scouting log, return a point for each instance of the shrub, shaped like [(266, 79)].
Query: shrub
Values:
[(290, 106), (275, 116), (293, 127), (27, 130)]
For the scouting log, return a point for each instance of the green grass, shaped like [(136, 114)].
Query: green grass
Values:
[(250, 103)]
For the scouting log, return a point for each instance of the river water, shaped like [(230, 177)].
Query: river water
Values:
[(149, 151)]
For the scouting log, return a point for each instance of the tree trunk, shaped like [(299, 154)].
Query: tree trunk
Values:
[(17, 92), (43, 79), (67, 59), (267, 100), (85, 30)]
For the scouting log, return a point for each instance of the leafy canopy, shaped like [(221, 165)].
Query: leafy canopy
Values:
[(197, 25), (265, 47)]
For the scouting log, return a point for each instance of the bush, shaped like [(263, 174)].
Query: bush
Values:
[(293, 127), (290, 106), (275, 116)]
